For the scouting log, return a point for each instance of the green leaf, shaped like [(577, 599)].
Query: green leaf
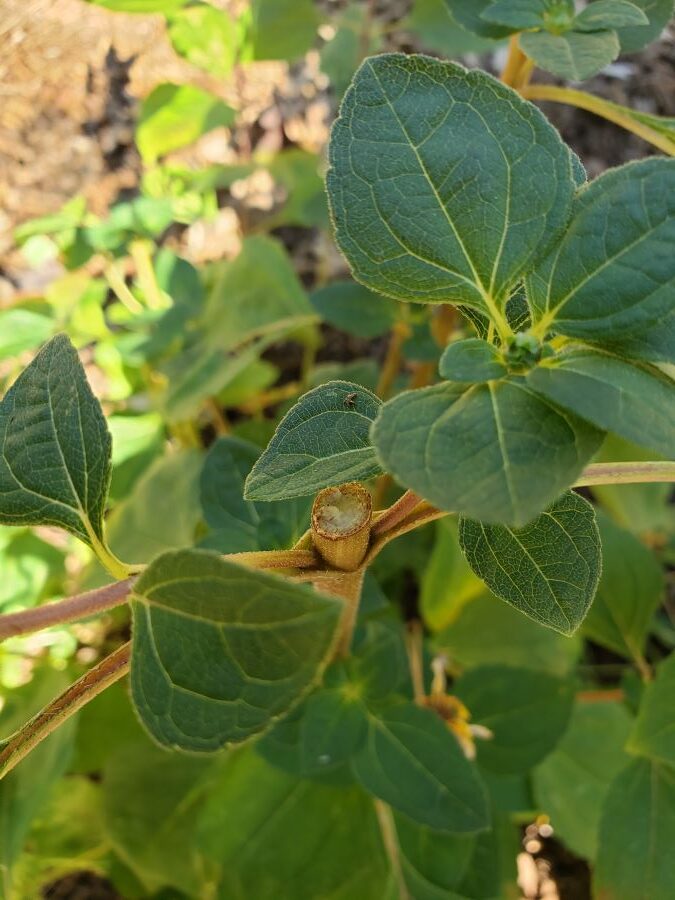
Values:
[(496, 452), (635, 402), (630, 590), (612, 275), (636, 835), (471, 360), (488, 632), (322, 441), (55, 457), (256, 295), (609, 14), (469, 14), (516, 15), (277, 836), (333, 726), (341, 55), (635, 38), (574, 55), (282, 29), (654, 344), (654, 731), (150, 798), (420, 214), (31, 570), (548, 570), (174, 115), (354, 309), (413, 762), (571, 784), (526, 711), (221, 651), (237, 525), (207, 37)]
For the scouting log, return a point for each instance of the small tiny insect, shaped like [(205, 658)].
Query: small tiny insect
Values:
[(350, 400)]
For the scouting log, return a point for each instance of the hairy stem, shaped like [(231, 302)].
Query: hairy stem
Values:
[(396, 512), (81, 606), (603, 108), (385, 819), (96, 680)]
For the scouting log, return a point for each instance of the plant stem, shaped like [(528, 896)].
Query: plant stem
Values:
[(119, 287), (385, 820), (514, 61), (415, 648), (92, 683), (396, 512), (276, 559), (81, 606), (603, 108), (141, 253), (392, 361), (626, 473)]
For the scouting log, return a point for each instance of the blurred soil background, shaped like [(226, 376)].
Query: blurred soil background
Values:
[(71, 79)]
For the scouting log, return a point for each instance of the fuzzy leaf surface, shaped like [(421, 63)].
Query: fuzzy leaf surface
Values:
[(411, 761), (323, 441), (221, 651), (633, 401), (55, 447), (548, 570), (444, 184), (613, 273), (497, 452), (575, 55)]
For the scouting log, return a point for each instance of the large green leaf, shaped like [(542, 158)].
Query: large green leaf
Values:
[(497, 452), (549, 569), (444, 184), (54, 447), (570, 785), (275, 836), (635, 402), (630, 589), (575, 55), (257, 294), (636, 834), (610, 14), (221, 651), (655, 344), (207, 37), (613, 273), (526, 711), (654, 732), (433, 862), (174, 115), (323, 441), (236, 524), (414, 763)]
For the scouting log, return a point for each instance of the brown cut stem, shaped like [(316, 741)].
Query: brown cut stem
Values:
[(81, 606), (96, 680)]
